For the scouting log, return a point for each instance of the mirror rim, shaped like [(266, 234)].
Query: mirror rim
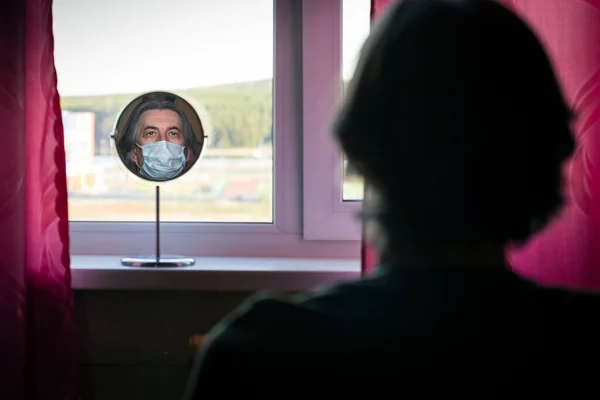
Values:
[(186, 107)]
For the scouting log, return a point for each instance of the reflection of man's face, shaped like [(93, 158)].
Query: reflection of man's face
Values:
[(156, 126)]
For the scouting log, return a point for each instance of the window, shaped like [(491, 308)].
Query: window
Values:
[(327, 180), (264, 186), (356, 25), (107, 54)]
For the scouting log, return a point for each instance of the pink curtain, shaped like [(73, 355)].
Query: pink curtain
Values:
[(378, 7), (38, 359), (567, 253)]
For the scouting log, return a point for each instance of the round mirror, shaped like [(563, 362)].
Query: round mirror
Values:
[(159, 136)]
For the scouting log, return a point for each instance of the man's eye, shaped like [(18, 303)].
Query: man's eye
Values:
[(150, 133), (173, 133)]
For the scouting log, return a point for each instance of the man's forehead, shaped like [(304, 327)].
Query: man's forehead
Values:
[(158, 116)]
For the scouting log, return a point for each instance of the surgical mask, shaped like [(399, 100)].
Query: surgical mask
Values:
[(162, 160)]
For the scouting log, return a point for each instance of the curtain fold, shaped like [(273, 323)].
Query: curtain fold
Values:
[(35, 281), (567, 253), (12, 199)]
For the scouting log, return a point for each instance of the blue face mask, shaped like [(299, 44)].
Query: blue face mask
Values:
[(162, 160)]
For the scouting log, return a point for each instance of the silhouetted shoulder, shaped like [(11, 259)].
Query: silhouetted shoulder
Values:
[(270, 336), (437, 327)]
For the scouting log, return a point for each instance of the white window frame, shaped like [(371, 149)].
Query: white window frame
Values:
[(326, 215), (284, 237)]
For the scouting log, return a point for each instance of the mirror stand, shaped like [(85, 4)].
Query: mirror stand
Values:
[(158, 260)]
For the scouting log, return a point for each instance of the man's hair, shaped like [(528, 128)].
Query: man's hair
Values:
[(455, 117), (126, 141)]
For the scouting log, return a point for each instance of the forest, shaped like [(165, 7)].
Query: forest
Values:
[(239, 115)]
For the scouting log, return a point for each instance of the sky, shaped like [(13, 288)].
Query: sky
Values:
[(132, 46)]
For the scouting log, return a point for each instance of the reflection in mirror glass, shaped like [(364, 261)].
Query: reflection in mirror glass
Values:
[(159, 136), (197, 57)]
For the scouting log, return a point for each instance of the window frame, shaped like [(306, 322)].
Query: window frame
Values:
[(326, 215), (281, 238)]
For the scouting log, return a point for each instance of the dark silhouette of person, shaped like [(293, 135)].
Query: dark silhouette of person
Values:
[(455, 118)]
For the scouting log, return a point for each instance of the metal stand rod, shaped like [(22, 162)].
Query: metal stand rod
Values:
[(158, 224), (156, 260)]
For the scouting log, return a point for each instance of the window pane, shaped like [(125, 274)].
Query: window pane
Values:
[(216, 54), (355, 29)]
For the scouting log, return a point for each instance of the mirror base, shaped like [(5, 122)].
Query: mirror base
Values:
[(161, 262)]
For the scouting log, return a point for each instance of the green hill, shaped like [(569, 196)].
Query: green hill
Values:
[(240, 114)]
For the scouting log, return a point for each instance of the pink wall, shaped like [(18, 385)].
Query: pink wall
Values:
[(567, 253)]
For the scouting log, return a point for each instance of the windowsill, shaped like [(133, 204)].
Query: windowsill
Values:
[(212, 274)]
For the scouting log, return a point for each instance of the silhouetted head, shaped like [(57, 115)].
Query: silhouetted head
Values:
[(456, 120)]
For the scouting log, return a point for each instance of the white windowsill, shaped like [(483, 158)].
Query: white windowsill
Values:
[(212, 274)]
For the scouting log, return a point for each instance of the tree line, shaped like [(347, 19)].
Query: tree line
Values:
[(240, 115)]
